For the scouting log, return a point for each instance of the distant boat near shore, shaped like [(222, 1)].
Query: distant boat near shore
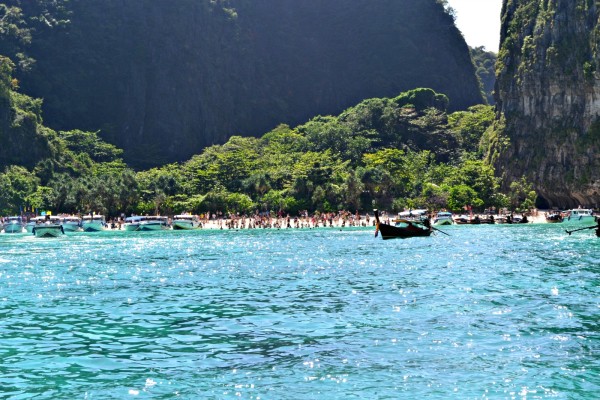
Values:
[(13, 225), (580, 215), (48, 226), (185, 222), (554, 218), (132, 223), (443, 218), (71, 223), (93, 223), (153, 223), (402, 229)]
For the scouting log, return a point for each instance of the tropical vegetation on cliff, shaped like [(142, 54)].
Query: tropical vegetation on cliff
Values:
[(390, 153)]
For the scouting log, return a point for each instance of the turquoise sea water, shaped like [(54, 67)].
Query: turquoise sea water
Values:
[(490, 312)]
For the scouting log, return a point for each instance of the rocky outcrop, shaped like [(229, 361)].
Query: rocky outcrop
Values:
[(548, 88)]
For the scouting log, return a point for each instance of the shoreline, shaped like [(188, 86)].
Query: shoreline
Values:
[(332, 222)]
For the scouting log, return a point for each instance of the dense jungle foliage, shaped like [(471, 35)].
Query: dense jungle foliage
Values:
[(389, 153), (164, 79), (485, 64)]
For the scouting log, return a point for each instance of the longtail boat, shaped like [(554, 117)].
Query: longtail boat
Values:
[(402, 229)]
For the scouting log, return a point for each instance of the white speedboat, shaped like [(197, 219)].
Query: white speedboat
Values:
[(443, 218), (48, 226), (13, 225), (185, 222), (132, 223), (71, 223), (153, 223), (577, 215), (33, 222), (93, 223)]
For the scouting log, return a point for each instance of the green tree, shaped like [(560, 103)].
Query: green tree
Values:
[(471, 125), (477, 175), (17, 184), (522, 196), (89, 143), (460, 196), (423, 98), (485, 63), (327, 133)]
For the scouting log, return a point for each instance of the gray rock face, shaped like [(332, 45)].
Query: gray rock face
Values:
[(548, 88), (164, 79)]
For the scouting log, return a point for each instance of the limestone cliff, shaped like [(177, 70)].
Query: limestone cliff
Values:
[(164, 79), (548, 88)]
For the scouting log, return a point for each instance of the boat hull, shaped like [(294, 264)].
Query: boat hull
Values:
[(587, 219), (441, 222), (92, 226), (48, 231), (132, 227), (184, 225), (152, 227), (71, 227), (393, 232), (407, 230)]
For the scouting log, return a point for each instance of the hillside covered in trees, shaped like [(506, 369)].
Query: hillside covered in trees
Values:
[(389, 153), (164, 79)]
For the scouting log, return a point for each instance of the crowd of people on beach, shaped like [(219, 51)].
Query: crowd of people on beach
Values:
[(303, 219), (261, 220)]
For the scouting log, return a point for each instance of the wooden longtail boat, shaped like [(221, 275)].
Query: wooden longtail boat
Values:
[(403, 228), (554, 218)]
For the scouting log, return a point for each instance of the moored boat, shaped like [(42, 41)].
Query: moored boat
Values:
[(93, 223), (402, 229), (487, 219), (185, 222), (553, 218), (13, 225), (462, 219), (153, 223), (517, 219), (47, 227), (132, 223), (443, 218), (71, 223), (577, 215)]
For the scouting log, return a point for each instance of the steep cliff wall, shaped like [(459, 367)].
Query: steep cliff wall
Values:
[(162, 79), (548, 87)]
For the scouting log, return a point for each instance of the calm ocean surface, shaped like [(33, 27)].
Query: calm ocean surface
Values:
[(490, 312)]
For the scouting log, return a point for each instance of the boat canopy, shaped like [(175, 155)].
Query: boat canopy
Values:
[(581, 211), (184, 216), (412, 213), (154, 218), (43, 218), (96, 217)]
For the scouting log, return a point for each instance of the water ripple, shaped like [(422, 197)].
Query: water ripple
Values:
[(488, 312)]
